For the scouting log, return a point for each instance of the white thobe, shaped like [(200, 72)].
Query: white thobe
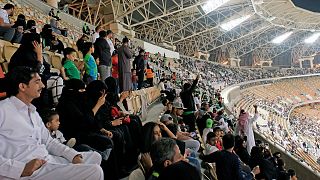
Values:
[(249, 132), (95, 36), (23, 137), (111, 46), (58, 135)]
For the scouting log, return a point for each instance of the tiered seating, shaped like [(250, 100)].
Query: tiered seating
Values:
[(282, 90), (143, 97)]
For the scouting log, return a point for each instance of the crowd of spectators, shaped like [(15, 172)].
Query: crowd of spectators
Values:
[(90, 125)]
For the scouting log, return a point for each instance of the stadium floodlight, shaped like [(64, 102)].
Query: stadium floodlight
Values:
[(312, 38), (212, 5), (281, 38), (227, 26)]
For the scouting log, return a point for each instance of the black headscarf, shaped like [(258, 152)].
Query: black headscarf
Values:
[(71, 92), (94, 91), (112, 96)]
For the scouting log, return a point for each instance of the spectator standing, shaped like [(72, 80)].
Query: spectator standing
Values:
[(249, 130), (134, 79), (124, 66), (138, 65), (90, 65), (95, 35), (228, 163), (51, 12), (110, 41), (188, 103), (102, 51), (7, 30), (80, 43), (149, 75), (85, 29), (115, 69)]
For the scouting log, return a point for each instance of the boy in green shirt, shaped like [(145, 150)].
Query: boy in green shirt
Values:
[(69, 70)]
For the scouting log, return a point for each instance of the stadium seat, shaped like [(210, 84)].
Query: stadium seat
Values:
[(56, 61), (9, 50), (47, 56)]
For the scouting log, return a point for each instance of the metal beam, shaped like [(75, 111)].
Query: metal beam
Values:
[(169, 13)]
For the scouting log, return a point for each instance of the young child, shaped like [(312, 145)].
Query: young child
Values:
[(134, 79), (51, 121), (69, 70), (90, 65), (210, 146), (218, 134)]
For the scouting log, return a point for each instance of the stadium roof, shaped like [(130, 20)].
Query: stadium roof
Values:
[(191, 26)]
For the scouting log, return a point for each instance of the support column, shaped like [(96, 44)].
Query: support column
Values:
[(300, 63), (311, 63), (207, 57), (234, 62), (53, 3)]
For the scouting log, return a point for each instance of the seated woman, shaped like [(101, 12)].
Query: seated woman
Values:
[(116, 104), (55, 27), (153, 132), (31, 26), (56, 45), (30, 54), (110, 118), (77, 119), (46, 35)]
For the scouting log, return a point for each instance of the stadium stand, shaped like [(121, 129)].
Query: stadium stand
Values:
[(275, 99)]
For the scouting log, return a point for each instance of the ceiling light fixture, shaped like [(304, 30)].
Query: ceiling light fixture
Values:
[(227, 26), (212, 5), (281, 38), (312, 38)]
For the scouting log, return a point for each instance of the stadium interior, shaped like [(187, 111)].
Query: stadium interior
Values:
[(160, 89)]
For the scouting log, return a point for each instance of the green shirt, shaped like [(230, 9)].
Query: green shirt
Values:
[(71, 70)]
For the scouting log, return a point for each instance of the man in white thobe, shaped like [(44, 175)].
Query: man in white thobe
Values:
[(27, 151), (249, 129)]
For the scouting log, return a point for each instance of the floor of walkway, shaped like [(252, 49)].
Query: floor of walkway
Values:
[(154, 112)]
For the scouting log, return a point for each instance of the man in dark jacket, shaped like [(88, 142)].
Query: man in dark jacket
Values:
[(227, 162), (188, 103), (102, 51), (138, 65)]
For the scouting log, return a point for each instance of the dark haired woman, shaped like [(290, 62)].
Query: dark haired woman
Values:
[(77, 119), (30, 54)]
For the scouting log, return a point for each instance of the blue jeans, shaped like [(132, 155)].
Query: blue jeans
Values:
[(134, 86)]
